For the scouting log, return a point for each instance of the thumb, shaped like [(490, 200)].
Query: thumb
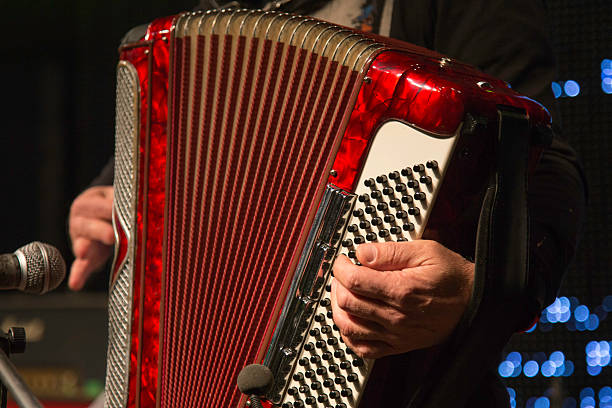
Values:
[(390, 255)]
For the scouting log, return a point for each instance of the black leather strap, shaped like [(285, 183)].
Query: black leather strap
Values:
[(501, 274)]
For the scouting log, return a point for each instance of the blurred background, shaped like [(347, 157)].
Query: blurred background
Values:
[(58, 64)]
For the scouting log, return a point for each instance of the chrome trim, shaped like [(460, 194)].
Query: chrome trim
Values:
[(23, 268), (304, 293), (121, 290)]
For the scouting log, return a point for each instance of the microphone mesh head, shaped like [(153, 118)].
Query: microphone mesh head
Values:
[(45, 267)]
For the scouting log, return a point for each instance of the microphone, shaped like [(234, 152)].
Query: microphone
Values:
[(34, 268)]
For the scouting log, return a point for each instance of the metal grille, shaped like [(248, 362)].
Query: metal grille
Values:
[(259, 100), (120, 299)]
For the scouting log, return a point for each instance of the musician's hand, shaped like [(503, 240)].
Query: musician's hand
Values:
[(91, 233), (405, 296)]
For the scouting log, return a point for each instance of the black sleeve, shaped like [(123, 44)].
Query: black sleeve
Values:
[(105, 178), (509, 40)]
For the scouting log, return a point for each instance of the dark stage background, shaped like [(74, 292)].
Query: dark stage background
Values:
[(58, 69)]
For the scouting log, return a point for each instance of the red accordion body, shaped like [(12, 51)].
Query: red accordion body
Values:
[(246, 160)]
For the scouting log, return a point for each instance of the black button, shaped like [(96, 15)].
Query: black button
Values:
[(432, 164), (419, 168), (387, 191), (365, 224), (408, 226), (406, 199), (425, 180)]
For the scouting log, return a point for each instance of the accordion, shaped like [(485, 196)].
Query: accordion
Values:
[(251, 149)]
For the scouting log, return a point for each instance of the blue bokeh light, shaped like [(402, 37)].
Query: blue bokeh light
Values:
[(587, 402), (606, 85), (530, 402), (607, 302), (569, 369), (505, 369), (542, 402), (514, 357), (511, 392), (556, 88), (594, 370), (548, 369), (581, 313), (605, 392), (592, 322), (559, 370), (606, 67), (531, 368), (606, 82), (571, 88), (557, 357), (587, 392)]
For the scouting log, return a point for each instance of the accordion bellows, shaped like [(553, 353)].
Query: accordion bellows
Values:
[(252, 148)]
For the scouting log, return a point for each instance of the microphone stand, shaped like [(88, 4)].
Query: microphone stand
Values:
[(14, 342)]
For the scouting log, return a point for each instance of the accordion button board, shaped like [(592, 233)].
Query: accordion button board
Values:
[(395, 195)]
